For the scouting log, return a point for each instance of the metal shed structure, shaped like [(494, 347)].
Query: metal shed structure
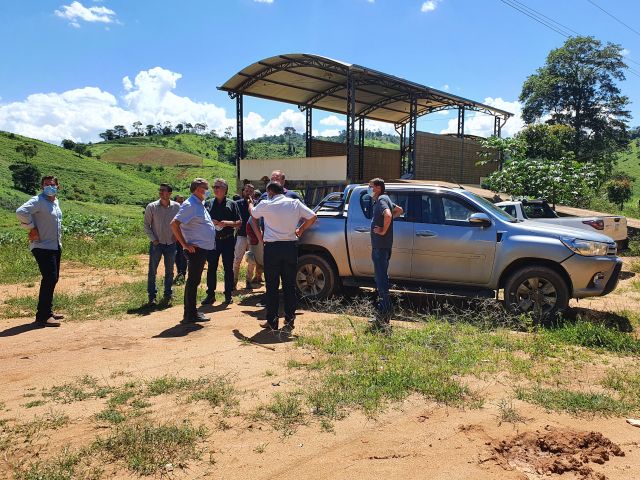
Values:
[(313, 81)]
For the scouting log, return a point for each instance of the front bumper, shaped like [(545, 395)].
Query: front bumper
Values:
[(593, 276)]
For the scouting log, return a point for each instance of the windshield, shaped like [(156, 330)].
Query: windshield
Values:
[(487, 205)]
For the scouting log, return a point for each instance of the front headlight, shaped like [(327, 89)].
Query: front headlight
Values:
[(587, 248)]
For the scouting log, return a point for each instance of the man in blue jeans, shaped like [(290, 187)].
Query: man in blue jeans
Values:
[(157, 219), (384, 211)]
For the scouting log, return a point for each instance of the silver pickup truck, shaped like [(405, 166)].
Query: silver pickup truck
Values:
[(451, 241)]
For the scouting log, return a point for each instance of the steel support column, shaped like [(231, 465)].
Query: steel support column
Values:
[(403, 139), (361, 149), (239, 136), (410, 165), (350, 133), (461, 136), (308, 132), (497, 130)]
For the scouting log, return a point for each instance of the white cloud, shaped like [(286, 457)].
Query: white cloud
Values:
[(384, 127), (482, 125), (82, 113), (333, 121), (445, 87), (429, 6), (328, 132), (254, 124), (75, 12)]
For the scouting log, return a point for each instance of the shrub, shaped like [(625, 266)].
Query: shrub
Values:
[(26, 177), (619, 190)]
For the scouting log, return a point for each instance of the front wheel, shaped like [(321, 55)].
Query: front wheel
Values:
[(315, 277), (540, 291)]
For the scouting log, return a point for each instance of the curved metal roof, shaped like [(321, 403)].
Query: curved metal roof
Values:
[(320, 82)]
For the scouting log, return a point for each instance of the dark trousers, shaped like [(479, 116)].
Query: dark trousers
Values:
[(49, 265), (380, 258), (280, 262), (196, 263), (181, 260), (225, 249)]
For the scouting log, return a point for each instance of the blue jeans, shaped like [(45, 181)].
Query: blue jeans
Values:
[(156, 252), (380, 258)]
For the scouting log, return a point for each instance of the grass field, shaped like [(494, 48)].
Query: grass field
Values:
[(150, 156)]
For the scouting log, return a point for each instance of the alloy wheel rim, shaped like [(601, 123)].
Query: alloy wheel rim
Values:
[(535, 294), (310, 280)]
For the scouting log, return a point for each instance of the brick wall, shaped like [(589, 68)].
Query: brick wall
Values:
[(438, 158), (378, 162)]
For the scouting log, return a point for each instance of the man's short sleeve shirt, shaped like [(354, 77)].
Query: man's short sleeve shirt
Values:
[(377, 220), (196, 225)]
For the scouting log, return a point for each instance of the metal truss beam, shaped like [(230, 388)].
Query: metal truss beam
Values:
[(308, 130), (461, 122), (350, 132), (239, 135), (361, 148), (413, 123)]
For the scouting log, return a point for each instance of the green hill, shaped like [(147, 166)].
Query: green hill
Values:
[(629, 163), (91, 186)]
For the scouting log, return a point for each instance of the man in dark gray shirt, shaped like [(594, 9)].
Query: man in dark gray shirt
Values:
[(41, 215), (384, 211)]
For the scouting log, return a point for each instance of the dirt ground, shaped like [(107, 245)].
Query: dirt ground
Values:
[(414, 439)]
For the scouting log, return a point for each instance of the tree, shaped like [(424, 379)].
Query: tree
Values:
[(620, 189), (137, 127), (28, 150), (228, 132), (150, 128), (68, 144), (26, 177), (289, 132), (120, 131), (108, 134), (577, 87)]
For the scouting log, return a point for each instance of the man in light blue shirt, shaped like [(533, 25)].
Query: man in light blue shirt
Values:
[(194, 229), (41, 215)]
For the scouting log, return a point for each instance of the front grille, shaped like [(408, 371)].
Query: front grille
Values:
[(612, 250)]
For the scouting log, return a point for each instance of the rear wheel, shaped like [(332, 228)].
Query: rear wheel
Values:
[(315, 277), (540, 291)]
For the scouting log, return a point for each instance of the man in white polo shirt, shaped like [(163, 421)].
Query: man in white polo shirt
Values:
[(281, 231)]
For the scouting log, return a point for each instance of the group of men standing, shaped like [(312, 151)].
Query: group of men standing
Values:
[(193, 231)]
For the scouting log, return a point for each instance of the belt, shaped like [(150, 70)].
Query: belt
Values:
[(224, 236)]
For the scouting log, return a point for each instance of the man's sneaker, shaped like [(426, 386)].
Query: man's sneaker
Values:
[(57, 316), (152, 302), (269, 326), (262, 303), (49, 322), (288, 327), (199, 317), (228, 301), (208, 300)]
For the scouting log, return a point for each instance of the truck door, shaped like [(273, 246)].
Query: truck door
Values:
[(447, 247), (359, 235)]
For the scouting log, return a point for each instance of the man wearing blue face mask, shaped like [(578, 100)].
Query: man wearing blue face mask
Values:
[(194, 229), (42, 216)]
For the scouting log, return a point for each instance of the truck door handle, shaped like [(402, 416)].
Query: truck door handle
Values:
[(425, 233), (362, 229)]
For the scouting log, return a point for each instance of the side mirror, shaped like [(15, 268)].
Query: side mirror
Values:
[(480, 220)]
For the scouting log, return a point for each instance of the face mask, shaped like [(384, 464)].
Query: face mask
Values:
[(370, 191), (207, 194), (50, 190)]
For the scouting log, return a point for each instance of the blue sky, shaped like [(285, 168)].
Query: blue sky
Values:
[(74, 68)]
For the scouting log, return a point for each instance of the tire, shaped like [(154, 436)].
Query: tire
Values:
[(540, 291), (316, 278)]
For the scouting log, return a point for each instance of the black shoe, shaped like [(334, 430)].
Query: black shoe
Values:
[(288, 327), (208, 300), (269, 326), (262, 303), (195, 319), (248, 286), (58, 316), (228, 301), (152, 302)]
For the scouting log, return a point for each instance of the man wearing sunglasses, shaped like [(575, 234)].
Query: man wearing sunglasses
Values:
[(226, 218), (157, 219)]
